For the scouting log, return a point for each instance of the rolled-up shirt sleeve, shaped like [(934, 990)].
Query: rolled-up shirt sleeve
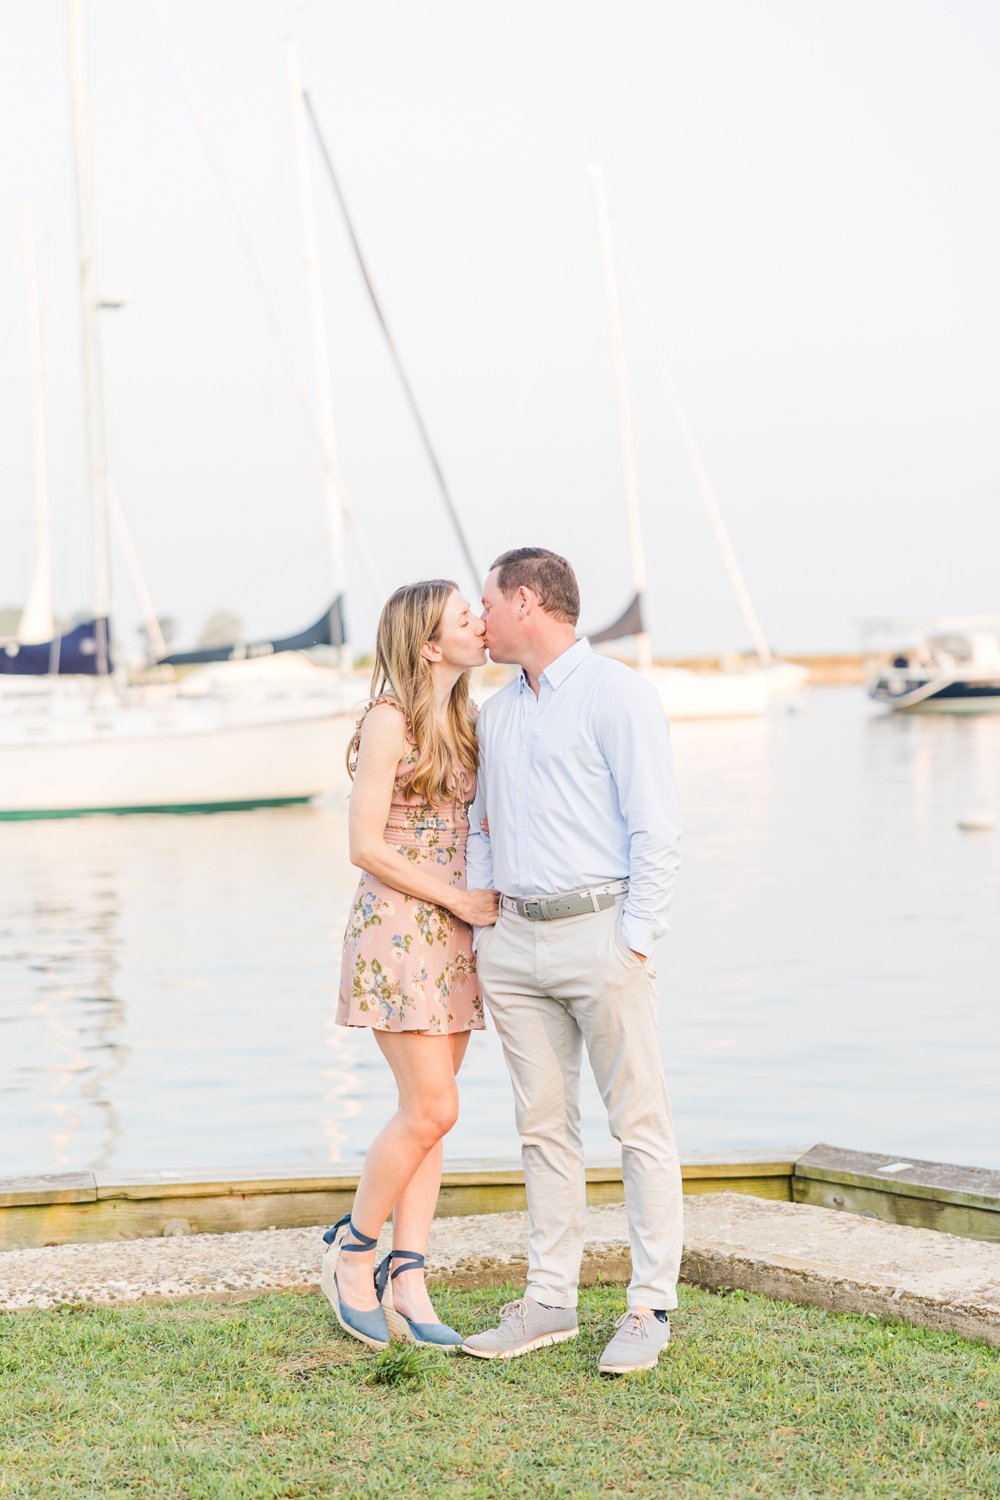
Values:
[(479, 854), (635, 738)]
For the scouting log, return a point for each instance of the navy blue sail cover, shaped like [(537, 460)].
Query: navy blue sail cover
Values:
[(629, 623), (72, 654), (329, 630)]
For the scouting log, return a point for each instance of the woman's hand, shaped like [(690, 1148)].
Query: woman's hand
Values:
[(478, 908)]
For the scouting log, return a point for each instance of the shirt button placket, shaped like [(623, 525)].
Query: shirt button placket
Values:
[(523, 762)]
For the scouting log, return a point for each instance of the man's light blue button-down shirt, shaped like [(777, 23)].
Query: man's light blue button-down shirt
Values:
[(577, 787)]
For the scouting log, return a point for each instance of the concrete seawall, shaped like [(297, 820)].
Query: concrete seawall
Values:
[(794, 1252)]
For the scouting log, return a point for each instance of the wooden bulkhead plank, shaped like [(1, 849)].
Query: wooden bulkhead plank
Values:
[(48, 1187), (902, 1190), (151, 1203)]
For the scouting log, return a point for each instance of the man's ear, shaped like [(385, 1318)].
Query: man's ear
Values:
[(526, 600)]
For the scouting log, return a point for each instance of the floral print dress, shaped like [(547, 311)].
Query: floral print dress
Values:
[(408, 964)]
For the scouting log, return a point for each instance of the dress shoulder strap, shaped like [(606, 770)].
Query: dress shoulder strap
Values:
[(355, 746), (392, 702)]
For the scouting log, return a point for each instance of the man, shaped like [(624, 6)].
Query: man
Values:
[(576, 823)]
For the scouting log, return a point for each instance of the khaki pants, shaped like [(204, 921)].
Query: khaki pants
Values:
[(553, 987)]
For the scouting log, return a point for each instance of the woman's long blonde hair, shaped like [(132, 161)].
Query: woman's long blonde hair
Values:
[(412, 616)]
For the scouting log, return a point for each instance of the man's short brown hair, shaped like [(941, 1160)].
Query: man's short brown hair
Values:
[(546, 574)]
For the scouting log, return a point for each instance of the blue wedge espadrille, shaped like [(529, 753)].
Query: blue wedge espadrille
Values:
[(405, 1330), (367, 1324)]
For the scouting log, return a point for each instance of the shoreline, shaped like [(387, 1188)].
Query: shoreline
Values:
[(837, 669), (80, 1208)]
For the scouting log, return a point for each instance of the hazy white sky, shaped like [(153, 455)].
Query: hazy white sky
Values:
[(809, 194)]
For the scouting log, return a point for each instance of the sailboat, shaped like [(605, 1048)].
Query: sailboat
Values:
[(685, 694), (35, 649), (238, 661), (782, 678), (91, 742)]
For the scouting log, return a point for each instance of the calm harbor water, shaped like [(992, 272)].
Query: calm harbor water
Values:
[(167, 984)]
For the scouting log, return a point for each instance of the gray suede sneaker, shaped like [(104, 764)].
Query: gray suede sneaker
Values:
[(638, 1339), (524, 1325)]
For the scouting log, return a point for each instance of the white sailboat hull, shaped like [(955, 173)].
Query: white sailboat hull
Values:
[(83, 752), (710, 695), (784, 678)]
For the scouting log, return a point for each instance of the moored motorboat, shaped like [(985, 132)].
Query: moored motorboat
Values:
[(955, 670)]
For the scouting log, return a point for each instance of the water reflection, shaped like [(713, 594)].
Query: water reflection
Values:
[(836, 944), (959, 753), (340, 1098), (58, 961), (167, 985)]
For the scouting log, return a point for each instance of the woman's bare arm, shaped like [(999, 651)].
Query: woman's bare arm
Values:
[(383, 745)]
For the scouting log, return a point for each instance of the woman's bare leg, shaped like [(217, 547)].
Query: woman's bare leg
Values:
[(414, 1211), (424, 1069)]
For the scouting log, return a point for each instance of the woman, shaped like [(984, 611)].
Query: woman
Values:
[(408, 971)]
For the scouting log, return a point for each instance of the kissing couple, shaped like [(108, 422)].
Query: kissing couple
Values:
[(523, 857)]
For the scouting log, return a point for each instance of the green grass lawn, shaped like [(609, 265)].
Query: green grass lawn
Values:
[(267, 1398)]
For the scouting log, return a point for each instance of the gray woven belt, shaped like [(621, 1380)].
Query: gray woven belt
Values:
[(567, 904)]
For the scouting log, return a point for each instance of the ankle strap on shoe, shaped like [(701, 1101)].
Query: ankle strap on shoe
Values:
[(383, 1273), (365, 1241)]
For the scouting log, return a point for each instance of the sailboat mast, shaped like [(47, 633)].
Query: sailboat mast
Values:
[(644, 657), (36, 621), (92, 377), (321, 355), (705, 490)]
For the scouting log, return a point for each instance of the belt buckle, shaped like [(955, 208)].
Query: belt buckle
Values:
[(533, 909)]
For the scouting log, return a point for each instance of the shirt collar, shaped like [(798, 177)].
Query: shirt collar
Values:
[(557, 671)]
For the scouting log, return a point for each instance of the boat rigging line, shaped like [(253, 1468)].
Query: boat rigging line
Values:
[(400, 371), (330, 466), (705, 490)]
